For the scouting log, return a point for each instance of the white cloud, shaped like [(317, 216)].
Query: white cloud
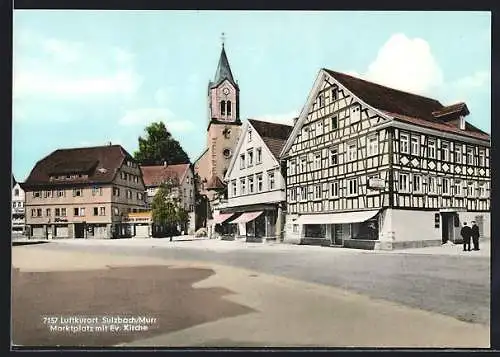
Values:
[(476, 80), (145, 116), (162, 96), (286, 118), (63, 51)]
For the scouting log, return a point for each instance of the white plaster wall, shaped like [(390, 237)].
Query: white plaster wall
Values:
[(289, 236), (471, 216), (263, 197), (409, 225)]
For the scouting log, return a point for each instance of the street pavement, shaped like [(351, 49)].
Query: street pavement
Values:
[(443, 279), (206, 304)]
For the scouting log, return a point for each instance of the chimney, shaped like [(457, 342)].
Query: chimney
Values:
[(462, 122)]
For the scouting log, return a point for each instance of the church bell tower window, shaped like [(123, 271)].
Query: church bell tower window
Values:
[(228, 107), (223, 107)]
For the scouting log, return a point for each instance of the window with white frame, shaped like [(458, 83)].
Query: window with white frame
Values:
[(321, 100), (445, 186), (482, 157), (445, 151), (334, 94), (96, 190), (335, 122), (60, 193), (334, 155), (319, 127), (470, 189), (303, 193), (48, 212), (250, 157), (317, 161), (352, 186), (33, 212), (417, 183), (57, 212), (258, 158), (303, 163), (404, 183), (79, 212), (457, 187), (482, 190), (403, 143), (242, 161), (458, 153), (63, 212), (292, 167), (102, 211), (250, 184), (334, 189), (242, 186), (233, 187), (470, 156), (431, 149), (317, 192), (271, 183), (77, 192), (352, 151), (295, 228), (372, 145), (259, 183), (415, 145), (293, 195)]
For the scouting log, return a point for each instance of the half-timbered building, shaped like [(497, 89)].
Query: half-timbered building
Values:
[(373, 167)]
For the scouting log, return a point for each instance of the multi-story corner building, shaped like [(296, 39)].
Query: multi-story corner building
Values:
[(181, 177), (83, 193), (374, 167), (256, 187), (223, 130), (18, 211)]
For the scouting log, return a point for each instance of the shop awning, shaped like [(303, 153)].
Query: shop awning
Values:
[(222, 217), (246, 217), (336, 218)]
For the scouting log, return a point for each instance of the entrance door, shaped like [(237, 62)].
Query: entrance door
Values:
[(447, 229), (79, 230), (337, 234)]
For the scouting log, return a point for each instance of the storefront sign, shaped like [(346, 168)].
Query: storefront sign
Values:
[(376, 183), (60, 220), (436, 220)]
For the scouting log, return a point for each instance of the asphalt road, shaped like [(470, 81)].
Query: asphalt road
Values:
[(451, 285)]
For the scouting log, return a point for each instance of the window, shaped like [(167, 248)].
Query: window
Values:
[(39, 212), (470, 156), (291, 170), (140, 196), (303, 162), (116, 191), (77, 192), (368, 178), (63, 212), (129, 194), (334, 155), (373, 145), (233, 186), (431, 149), (16, 192), (415, 145), (295, 228), (47, 212), (321, 99), (33, 212), (96, 211), (36, 194), (334, 94), (334, 189), (482, 157), (259, 182), (258, 158), (293, 194), (457, 189), (482, 190), (470, 189), (242, 186), (445, 151), (445, 186), (250, 184), (352, 186), (223, 107), (458, 153), (319, 128), (60, 193), (57, 212), (352, 152), (403, 144), (270, 176), (404, 183), (96, 191), (335, 123), (249, 135), (228, 107), (302, 194), (75, 211), (317, 192), (250, 158), (242, 161), (355, 113), (317, 161), (102, 211), (417, 183)]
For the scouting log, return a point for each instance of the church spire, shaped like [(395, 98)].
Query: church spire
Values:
[(223, 68)]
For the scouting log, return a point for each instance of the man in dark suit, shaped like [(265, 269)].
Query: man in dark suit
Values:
[(466, 233), (475, 235)]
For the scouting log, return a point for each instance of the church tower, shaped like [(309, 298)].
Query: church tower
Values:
[(223, 129)]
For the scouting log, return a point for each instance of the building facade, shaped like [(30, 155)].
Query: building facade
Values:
[(83, 193), (256, 187), (18, 209), (373, 167), (183, 190), (223, 130)]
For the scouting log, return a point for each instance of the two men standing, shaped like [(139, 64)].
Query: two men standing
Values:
[(467, 233)]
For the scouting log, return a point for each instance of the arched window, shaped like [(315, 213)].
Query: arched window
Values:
[(228, 106), (223, 107)]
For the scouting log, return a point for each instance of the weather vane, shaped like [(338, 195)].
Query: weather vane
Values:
[(223, 38)]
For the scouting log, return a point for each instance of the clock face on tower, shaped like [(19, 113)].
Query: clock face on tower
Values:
[(225, 91)]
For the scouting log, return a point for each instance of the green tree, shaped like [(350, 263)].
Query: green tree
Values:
[(164, 209), (158, 146)]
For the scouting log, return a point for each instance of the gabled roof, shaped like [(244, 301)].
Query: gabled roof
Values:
[(215, 183), (223, 71), (274, 135), (459, 108), (155, 175), (100, 163)]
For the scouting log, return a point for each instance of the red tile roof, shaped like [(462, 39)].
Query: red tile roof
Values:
[(274, 135), (157, 174), (452, 109), (100, 163)]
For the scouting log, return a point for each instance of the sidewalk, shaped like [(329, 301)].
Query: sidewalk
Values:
[(446, 249)]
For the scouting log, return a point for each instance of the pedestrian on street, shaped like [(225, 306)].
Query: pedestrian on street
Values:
[(466, 233), (475, 235)]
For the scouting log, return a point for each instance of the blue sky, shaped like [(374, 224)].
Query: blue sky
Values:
[(84, 78)]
